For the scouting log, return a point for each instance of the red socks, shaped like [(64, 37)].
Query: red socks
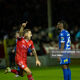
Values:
[(30, 77), (14, 71)]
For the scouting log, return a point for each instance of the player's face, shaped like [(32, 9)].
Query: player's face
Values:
[(28, 35), (60, 26)]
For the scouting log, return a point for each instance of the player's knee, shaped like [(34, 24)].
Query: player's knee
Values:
[(64, 66), (27, 70)]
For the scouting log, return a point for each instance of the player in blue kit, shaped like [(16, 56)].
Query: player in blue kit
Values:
[(64, 45)]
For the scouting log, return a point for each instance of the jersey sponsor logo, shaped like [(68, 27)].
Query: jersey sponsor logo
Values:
[(23, 41), (66, 60)]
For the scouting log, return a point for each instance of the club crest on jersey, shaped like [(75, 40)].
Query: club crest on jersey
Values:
[(23, 41)]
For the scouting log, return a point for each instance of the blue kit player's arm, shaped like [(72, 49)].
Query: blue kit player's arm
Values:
[(62, 41)]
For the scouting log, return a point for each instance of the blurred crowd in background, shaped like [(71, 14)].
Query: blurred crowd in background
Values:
[(13, 12)]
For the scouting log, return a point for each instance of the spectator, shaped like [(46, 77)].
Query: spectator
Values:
[(77, 36)]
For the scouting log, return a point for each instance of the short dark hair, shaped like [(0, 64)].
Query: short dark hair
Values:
[(23, 21), (65, 25), (26, 30)]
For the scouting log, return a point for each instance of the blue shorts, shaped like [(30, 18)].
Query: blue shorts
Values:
[(18, 68), (65, 61)]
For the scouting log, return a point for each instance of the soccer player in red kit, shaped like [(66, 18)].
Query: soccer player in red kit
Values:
[(23, 44)]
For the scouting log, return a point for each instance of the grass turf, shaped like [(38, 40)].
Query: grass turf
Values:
[(46, 73)]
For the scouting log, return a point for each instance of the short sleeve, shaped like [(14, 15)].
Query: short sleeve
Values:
[(32, 45), (62, 37)]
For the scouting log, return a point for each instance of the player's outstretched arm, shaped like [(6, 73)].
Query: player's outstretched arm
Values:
[(37, 60), (22, 28)]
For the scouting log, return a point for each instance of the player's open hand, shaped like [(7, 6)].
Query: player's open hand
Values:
[(24, 24), (38, 63)]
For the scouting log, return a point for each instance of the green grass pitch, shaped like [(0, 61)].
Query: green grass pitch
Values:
[(46, 73)]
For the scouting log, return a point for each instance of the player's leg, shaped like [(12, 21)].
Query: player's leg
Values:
[(21, 72), (18, 72), (29, 73), (69, 72), (8, 69), (64, 62), (65, 71), (24, 67), (22, 64)]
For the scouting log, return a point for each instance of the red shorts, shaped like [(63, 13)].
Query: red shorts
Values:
[(21, 63)]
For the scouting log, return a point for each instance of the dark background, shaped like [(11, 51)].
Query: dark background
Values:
[(12, 12)]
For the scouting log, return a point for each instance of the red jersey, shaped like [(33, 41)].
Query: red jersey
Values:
[(22, 48)]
